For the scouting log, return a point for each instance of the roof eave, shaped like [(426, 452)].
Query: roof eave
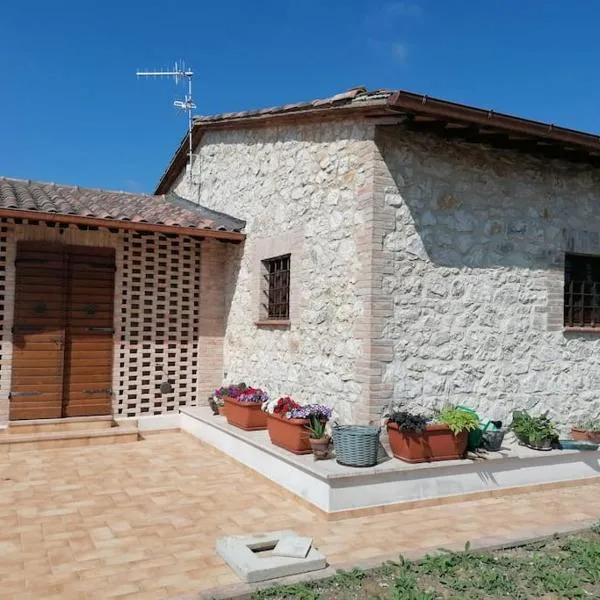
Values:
[(442, 109), (31, 215)]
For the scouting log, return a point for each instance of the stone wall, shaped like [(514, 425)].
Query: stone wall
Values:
[(474, 264), (304, 190)]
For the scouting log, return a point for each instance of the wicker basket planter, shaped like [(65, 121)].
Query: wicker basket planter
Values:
[(587, 435), (245, 415), (437, 442), (289, 434), (356, 445)]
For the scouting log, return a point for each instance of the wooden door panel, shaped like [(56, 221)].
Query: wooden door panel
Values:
[(62, 334), (88, 343), (38, 334), (89, 333)]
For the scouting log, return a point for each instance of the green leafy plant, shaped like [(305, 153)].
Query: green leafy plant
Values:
[(589, 425), (533, 430), (316, 427), (348, 579), (457, 420), (297, 591), (564, 567)]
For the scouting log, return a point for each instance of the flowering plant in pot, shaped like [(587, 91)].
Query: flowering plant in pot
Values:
[(226, 391), (285, 431), (243, 408), (588, 430), (216, 405), (416, 438), (317, 416), (539, 433)]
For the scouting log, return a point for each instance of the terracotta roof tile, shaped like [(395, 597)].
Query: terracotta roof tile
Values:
[(356, 95), (169, 209)]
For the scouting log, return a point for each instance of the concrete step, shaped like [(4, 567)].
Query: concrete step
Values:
[(58, 425), (67, 439)]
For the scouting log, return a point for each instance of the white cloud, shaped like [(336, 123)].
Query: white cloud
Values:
[(399, 51), (391, 14), (389, 20), (402, 9)]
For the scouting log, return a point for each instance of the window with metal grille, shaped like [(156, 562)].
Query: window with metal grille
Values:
[(582, 291), (276, 303)]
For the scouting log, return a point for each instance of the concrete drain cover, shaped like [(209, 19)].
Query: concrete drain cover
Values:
[(251, 557)]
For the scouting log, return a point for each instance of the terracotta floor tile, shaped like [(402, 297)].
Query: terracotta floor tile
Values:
[(141, 520)]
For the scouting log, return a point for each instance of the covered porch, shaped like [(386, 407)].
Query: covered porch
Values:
[(112, 303)]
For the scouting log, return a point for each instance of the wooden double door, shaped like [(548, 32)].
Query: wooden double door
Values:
[(63, 331)]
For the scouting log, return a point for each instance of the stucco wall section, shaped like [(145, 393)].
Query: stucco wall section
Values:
[(212, 307), (478, 243), (307, 186)]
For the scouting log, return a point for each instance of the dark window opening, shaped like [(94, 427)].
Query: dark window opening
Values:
[(277, 287), (582, 291)]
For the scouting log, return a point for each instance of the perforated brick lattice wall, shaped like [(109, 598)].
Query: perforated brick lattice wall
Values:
[(159, 324)]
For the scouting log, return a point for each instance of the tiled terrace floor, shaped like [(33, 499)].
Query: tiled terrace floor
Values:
[(141, 520)]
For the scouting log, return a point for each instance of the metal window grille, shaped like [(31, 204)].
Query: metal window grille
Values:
[(582, 291), (277, 287)]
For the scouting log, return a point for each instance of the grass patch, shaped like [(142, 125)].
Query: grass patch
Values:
[(563, 568)]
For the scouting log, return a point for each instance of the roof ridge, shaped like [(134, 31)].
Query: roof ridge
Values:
[(78, 187), (188, 204)]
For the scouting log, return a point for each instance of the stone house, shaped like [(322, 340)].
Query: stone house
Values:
[(111, 303), (402, 248)]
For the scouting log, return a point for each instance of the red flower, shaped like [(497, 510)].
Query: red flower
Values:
[(284, 405)]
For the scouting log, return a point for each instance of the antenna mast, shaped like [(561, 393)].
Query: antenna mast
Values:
[(179, 73)]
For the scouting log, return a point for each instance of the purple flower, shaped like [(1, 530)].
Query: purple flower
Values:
[(318, 411), (252, 396)]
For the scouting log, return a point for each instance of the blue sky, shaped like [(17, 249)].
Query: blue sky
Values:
[(72, 110)]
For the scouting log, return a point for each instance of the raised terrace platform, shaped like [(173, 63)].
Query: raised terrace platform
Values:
[(345, 491)]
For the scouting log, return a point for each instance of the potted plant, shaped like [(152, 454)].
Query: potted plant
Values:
[(212, 402), (229, 391), (243, 407), (317, 416), (539, 433), (216, 402), (288, 433), (414, 438), (587, 431)]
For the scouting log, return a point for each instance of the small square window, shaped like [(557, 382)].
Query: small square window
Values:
[(582, 291), (276, 288)]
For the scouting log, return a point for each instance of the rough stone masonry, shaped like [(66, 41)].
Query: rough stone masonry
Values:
[(423, 270)]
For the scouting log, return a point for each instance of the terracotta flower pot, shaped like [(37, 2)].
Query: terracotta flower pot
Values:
[(577, 433), (320, 447), (222, 411), (437, 442), (245, 415), (289, 434)]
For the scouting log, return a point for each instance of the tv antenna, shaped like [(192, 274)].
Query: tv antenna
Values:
[(180, 73)]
